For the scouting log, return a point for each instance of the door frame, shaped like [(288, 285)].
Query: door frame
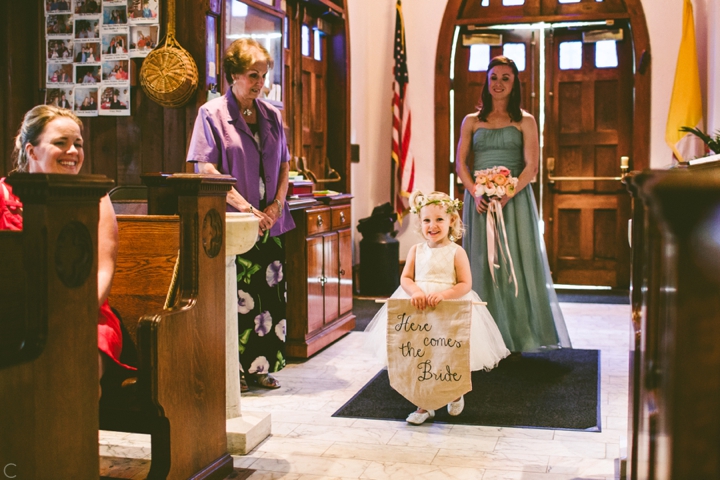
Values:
[(634, 14)]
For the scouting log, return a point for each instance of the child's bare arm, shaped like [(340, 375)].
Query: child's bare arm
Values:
[(407, 281), (464, 280)]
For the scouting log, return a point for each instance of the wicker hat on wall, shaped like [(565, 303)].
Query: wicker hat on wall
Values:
[(169, 75)]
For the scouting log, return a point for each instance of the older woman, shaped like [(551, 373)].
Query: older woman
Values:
[(50, 141), (241, 135)]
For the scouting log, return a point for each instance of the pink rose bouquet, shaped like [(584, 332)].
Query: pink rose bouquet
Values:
[(495, 182)]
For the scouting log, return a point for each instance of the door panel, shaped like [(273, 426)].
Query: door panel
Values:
[(314, 110), (345, 272), (315, 282), (331, 265), (588, 128)]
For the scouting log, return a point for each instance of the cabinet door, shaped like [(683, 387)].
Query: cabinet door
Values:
[(332, 280), (315, 281), (345, 270)]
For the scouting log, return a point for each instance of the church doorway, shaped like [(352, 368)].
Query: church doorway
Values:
[(585, 82)]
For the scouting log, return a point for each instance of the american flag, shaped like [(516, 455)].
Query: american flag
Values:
[(401, 155)]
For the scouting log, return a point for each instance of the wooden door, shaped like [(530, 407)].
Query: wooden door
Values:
[(471, 61), (345, 270), (588, 129), (315, 282), (314, 98), (332, 281)]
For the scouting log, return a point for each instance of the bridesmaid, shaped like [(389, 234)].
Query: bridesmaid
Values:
[(502, 134)]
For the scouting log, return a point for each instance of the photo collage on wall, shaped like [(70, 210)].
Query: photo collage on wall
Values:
[(89, 47)]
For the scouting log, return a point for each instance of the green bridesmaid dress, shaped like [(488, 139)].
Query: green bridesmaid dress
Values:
[(532, 320)]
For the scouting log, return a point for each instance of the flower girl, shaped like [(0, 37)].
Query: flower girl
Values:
[(436, 270)]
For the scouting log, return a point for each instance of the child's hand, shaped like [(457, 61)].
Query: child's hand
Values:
[(419, 300), (435, 298)]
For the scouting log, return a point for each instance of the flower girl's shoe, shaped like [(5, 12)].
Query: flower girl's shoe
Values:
[(456, 408), (417, 418)]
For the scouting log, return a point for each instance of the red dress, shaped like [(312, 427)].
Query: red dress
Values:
[(109, 332)]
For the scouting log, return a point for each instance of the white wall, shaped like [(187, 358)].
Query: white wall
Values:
[(372, 24)]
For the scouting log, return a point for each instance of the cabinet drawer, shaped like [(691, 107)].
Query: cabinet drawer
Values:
[(340, 217), (318, 220)]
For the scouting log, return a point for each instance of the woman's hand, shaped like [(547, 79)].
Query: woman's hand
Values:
[(434, 298), (481, 204), (419, 300), (266, 221)]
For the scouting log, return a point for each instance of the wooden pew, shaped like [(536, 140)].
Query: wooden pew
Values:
[(179, 396), (674, 427), (48, 329)]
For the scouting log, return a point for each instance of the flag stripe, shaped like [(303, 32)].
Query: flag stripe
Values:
[(401, 135)]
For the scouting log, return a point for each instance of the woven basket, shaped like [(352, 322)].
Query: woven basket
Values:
[(169, 75)]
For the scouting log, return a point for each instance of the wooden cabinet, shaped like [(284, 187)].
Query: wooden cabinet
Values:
[(319, 269)]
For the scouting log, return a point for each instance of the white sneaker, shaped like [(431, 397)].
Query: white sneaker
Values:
[(417, 418), (456, 408)]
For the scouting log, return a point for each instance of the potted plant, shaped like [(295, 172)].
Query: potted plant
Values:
[(713, 143)]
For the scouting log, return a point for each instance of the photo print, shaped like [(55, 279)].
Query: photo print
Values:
[(87, 28), (60, 50), (86, 101), (115, 100), (142, 11), (59, 74), (87, 7), (114, 15), (87, 74), (114, 44), (54, 6), (59, 25), (60, 97), (143, 38), (116, 71), (87, 52)]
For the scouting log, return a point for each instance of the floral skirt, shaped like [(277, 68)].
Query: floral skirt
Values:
[(261, 306)]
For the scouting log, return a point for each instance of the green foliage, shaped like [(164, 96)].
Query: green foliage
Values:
[(713, 143)]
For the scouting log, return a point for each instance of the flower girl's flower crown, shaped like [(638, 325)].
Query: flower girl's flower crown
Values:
[(418, 200)]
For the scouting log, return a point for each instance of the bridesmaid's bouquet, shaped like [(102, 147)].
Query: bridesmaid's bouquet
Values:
[(495, 182)]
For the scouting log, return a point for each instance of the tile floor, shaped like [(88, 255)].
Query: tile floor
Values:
[(307, 443)]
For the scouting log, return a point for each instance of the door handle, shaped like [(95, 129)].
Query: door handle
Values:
[(624, 165)]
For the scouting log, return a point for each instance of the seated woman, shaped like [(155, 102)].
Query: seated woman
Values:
[(50, 141)]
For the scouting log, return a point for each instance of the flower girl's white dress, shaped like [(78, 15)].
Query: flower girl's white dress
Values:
[(435, 272)]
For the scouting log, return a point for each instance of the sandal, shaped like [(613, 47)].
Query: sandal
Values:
[(266, 381), (243, 384)]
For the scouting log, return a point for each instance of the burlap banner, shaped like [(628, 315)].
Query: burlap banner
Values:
[(429, 351)]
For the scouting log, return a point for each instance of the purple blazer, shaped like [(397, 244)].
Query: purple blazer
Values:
[(222, 137)]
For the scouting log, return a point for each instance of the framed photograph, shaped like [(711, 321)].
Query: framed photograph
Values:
[(115, 100), (87, 29), (60, 50), (116, 71), (115, 15), (143, 38), (87, 52), (87, 74), (59, 25), (115, 45), (60, 97), (87, 7), (86, 101), (143, 11), (59, 74), (55, 6)]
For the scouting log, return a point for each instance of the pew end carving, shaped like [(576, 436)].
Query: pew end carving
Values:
[(179, 395), (48, 328)]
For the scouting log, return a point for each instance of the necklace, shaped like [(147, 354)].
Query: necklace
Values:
[(247, 112)]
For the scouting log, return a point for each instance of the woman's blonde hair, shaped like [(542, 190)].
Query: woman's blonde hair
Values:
[(33, 125), (239, 56), (418, 200)]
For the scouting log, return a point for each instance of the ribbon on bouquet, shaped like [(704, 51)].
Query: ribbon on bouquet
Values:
[(496, 240)]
